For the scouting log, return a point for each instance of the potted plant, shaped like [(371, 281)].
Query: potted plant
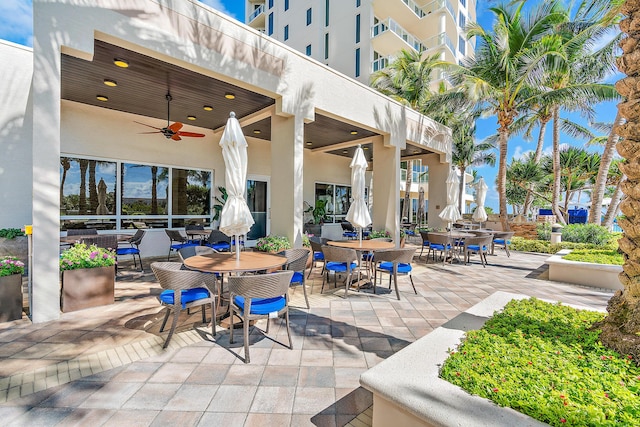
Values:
[(13, 242), (273, 244), (11, 271), (318, 213), (88, 277)]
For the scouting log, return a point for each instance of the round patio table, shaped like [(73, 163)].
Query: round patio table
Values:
[(366, 245)]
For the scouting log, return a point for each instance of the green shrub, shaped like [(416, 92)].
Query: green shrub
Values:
[(273, 244), (546, 361), (82, 256), (546, 247), (596, 256), (10, 233), (544, 231), (586, 233)]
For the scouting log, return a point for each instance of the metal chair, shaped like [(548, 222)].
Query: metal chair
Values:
[(133, 249), (339, 260), (394, 262), (479, 245), (297, 262), (502, 239), (260, 296), (218, 241), (195, 289), (348, 231), (179, 239)]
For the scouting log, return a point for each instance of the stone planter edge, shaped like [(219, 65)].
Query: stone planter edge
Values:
[(87, 288), (408, 392), (583, 273)]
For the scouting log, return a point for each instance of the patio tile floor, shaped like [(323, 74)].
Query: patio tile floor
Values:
[(106, 365)]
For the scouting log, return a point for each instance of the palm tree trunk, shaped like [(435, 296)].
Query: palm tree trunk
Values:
[(555, 200), (601, 180), (502, 177), (529, 199), (621, 327), (461, 190), (614, 206), (82, 201), (407, 190)]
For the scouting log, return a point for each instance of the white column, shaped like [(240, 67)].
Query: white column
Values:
[(287, 154), (437, 195), (386, 187)]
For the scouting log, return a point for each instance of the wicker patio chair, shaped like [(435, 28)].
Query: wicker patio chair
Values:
[(479, 245), (259, 297), (195, 289), (425, 243), (339, 260), (218, 241), (297, 262), (440, 243), (394, 262), (180, 241), (502, 239), (318, 256)]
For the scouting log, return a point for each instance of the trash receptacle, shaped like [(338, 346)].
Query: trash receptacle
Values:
[(556, 233)]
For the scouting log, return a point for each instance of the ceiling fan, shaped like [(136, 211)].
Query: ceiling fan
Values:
[(171, 131)]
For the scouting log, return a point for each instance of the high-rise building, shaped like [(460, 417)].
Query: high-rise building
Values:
[(358, 37)]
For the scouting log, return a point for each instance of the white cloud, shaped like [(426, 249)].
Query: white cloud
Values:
[(17, 21), (519, 154), (218, 5)]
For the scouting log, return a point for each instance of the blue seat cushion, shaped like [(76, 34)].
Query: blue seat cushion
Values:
[(262, 305), (402, 267), (220, 246), (350, 234), (501, 241), (297, 277), (367, 256), (178, 246), (339, 267), (127, 251), (318, 256), (439, 247), (188, 295), (476, 247), (426, 243)]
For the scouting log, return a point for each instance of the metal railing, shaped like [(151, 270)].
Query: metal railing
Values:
[(439, 40), (391, 25), (414, 8), (381, 63), (259, 10), (437, 5)]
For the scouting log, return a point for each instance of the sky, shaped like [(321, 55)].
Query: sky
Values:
[(17, 27)]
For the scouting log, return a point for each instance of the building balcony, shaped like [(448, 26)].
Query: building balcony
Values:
[(388, 37), (257, 18), (381, 63), (440, 41), (414, 18)]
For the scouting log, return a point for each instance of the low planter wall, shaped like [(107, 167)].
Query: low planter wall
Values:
[(583, 273), (408, 392)]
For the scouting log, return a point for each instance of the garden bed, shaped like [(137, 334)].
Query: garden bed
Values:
[(583, 273)]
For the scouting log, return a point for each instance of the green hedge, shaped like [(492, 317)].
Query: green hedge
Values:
[(545, 247)]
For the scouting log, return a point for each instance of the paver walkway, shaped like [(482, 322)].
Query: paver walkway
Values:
[(105, 366)]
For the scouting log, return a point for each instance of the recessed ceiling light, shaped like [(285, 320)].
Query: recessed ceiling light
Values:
[(102, 98), (229, 95), (354, 132), (365, 148), (121, 63), (309, 143), (257, 131), (344, 151), (207, 108), (191, 117), (110, 83)]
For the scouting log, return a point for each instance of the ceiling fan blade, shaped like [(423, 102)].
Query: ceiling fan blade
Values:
[(193, 134), (144, 124), (145, 133), (176, 126), (176, 137)]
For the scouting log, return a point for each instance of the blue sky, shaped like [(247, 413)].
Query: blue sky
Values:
[(17, 27)]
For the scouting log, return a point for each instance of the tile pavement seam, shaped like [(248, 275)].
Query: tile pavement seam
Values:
[(25, 383)]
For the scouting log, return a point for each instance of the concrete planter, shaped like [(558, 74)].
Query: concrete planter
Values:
[(87, 287), (10, 298), (408, 392), (583, 273)]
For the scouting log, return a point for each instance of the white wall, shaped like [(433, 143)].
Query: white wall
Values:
[(15, 135)]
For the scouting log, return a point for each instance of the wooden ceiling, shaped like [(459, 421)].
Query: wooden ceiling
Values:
[(142, 88)]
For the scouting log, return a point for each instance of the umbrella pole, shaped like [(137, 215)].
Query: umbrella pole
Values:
[(360, 235), (237, 247)]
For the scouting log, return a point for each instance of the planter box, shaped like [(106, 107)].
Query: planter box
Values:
[(87, 287), (583, 273), (10, 298), (408, 392)]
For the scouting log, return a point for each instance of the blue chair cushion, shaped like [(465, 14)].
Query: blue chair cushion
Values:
[(367, 256), (220, 246), (339, 267), (501, 241), (439, 247), (188, 295), (388, 266), (262, 305), (297, 277), (127, 251), (318, 256), (179, 246), (476, 247), (426, 243), (350, 234)]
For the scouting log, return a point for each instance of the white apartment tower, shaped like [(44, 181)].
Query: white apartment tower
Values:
[(358, 37)]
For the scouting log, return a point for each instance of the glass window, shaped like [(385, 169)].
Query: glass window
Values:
[(462, 20), (270, 24), (357, 3), (326, 46), (87, 187), (358, 28), (326, 13), (337, 198), (286, 32), (309, 16), (286, 4), (358, 62), (144, 189), (308, 50), (190, 192), (462, 45), (270, 4), (462, 2)]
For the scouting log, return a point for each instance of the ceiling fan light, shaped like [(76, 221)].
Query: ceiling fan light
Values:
[(102, 98), (120, 63), (229, 95), (190, 117), (207, 108), (110, 83)]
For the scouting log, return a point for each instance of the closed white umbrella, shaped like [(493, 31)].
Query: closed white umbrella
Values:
[(358, 213), (450, 213), (480, 215), (235, 218)]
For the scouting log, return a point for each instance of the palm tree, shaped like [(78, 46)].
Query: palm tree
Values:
[(621, 327), (614, 181), (505, 72)]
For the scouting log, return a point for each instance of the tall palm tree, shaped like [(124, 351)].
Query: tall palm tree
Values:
[(621, 327), (614, 181), (505, 73)]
